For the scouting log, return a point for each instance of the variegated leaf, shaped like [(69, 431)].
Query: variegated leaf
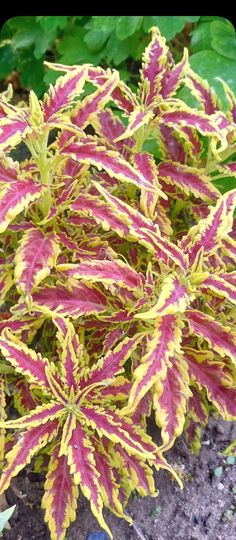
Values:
[(6, 279), (89, 151), (12, 131), (189, 179), (109, 127), (140, 475), (83, 468), (116, 429), (140, 229), (170, 398), (2, 418), (212, 229), (139, 117), (145, 163), (8, 170), (24, 360), (61, 96), (107, 272), (160, 347), (34, 259), (203, 92), (60, 496), (153, 66), (93, 103), (112, 363), (15, 197), (108, 486), (23, 400), (173, 298), (42, 414), (172, 78), (221, 338), (29, 443), (71, 355), (220, 286), (210, 375), (72, 300)]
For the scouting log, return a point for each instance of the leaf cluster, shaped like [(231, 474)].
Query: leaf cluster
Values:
[(117, 277)]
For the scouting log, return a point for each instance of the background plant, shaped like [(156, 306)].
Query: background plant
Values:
[(117, 277), (25, 42)]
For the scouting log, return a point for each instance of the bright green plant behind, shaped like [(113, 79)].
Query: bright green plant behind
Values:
[(25, 42)]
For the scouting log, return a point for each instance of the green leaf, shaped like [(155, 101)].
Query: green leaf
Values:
[(151, 146), (201, 37), (225, 183), (218, 471), (192, 18), (5, 516), (51, 23), (127, 26), (95, 39), (224, 38), (73, 49), (8, 60), (169, 26), (32, 73), (50, 76), (209, 64), (104, 24), (26, 31)]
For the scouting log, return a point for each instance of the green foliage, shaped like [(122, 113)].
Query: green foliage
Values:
[(213, 45), (26, 41)]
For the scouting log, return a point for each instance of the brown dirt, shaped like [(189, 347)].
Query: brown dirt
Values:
[(204, 510)]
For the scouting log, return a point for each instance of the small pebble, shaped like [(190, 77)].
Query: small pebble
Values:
[(220, 486), (97, 536)]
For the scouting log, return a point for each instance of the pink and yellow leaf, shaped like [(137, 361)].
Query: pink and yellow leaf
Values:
[(30, 442), (36, 255), (15, 197), (60, 496)]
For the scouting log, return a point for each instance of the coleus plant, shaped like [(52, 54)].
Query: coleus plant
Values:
[(118, 280)]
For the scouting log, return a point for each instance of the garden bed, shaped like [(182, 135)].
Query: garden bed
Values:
[(205, 509)]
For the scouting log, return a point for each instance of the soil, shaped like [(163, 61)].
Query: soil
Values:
[(204, 510)]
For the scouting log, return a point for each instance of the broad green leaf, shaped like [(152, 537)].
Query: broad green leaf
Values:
[(8, 60), (169, 26), (26, 31), (201, 37), (225, 183), (127, 26), (5, 516), (224, 38), (209, 64), (51, 76), (211, 18), (51, 23), (95, 39), (192, 18), (117, 51), (73, 49), (32, 72), (104, 24)]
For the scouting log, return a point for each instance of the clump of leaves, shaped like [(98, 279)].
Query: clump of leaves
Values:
[(117, 278), (25, 42)]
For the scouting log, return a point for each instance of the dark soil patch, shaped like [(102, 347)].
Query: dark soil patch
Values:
[(204, 510)]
